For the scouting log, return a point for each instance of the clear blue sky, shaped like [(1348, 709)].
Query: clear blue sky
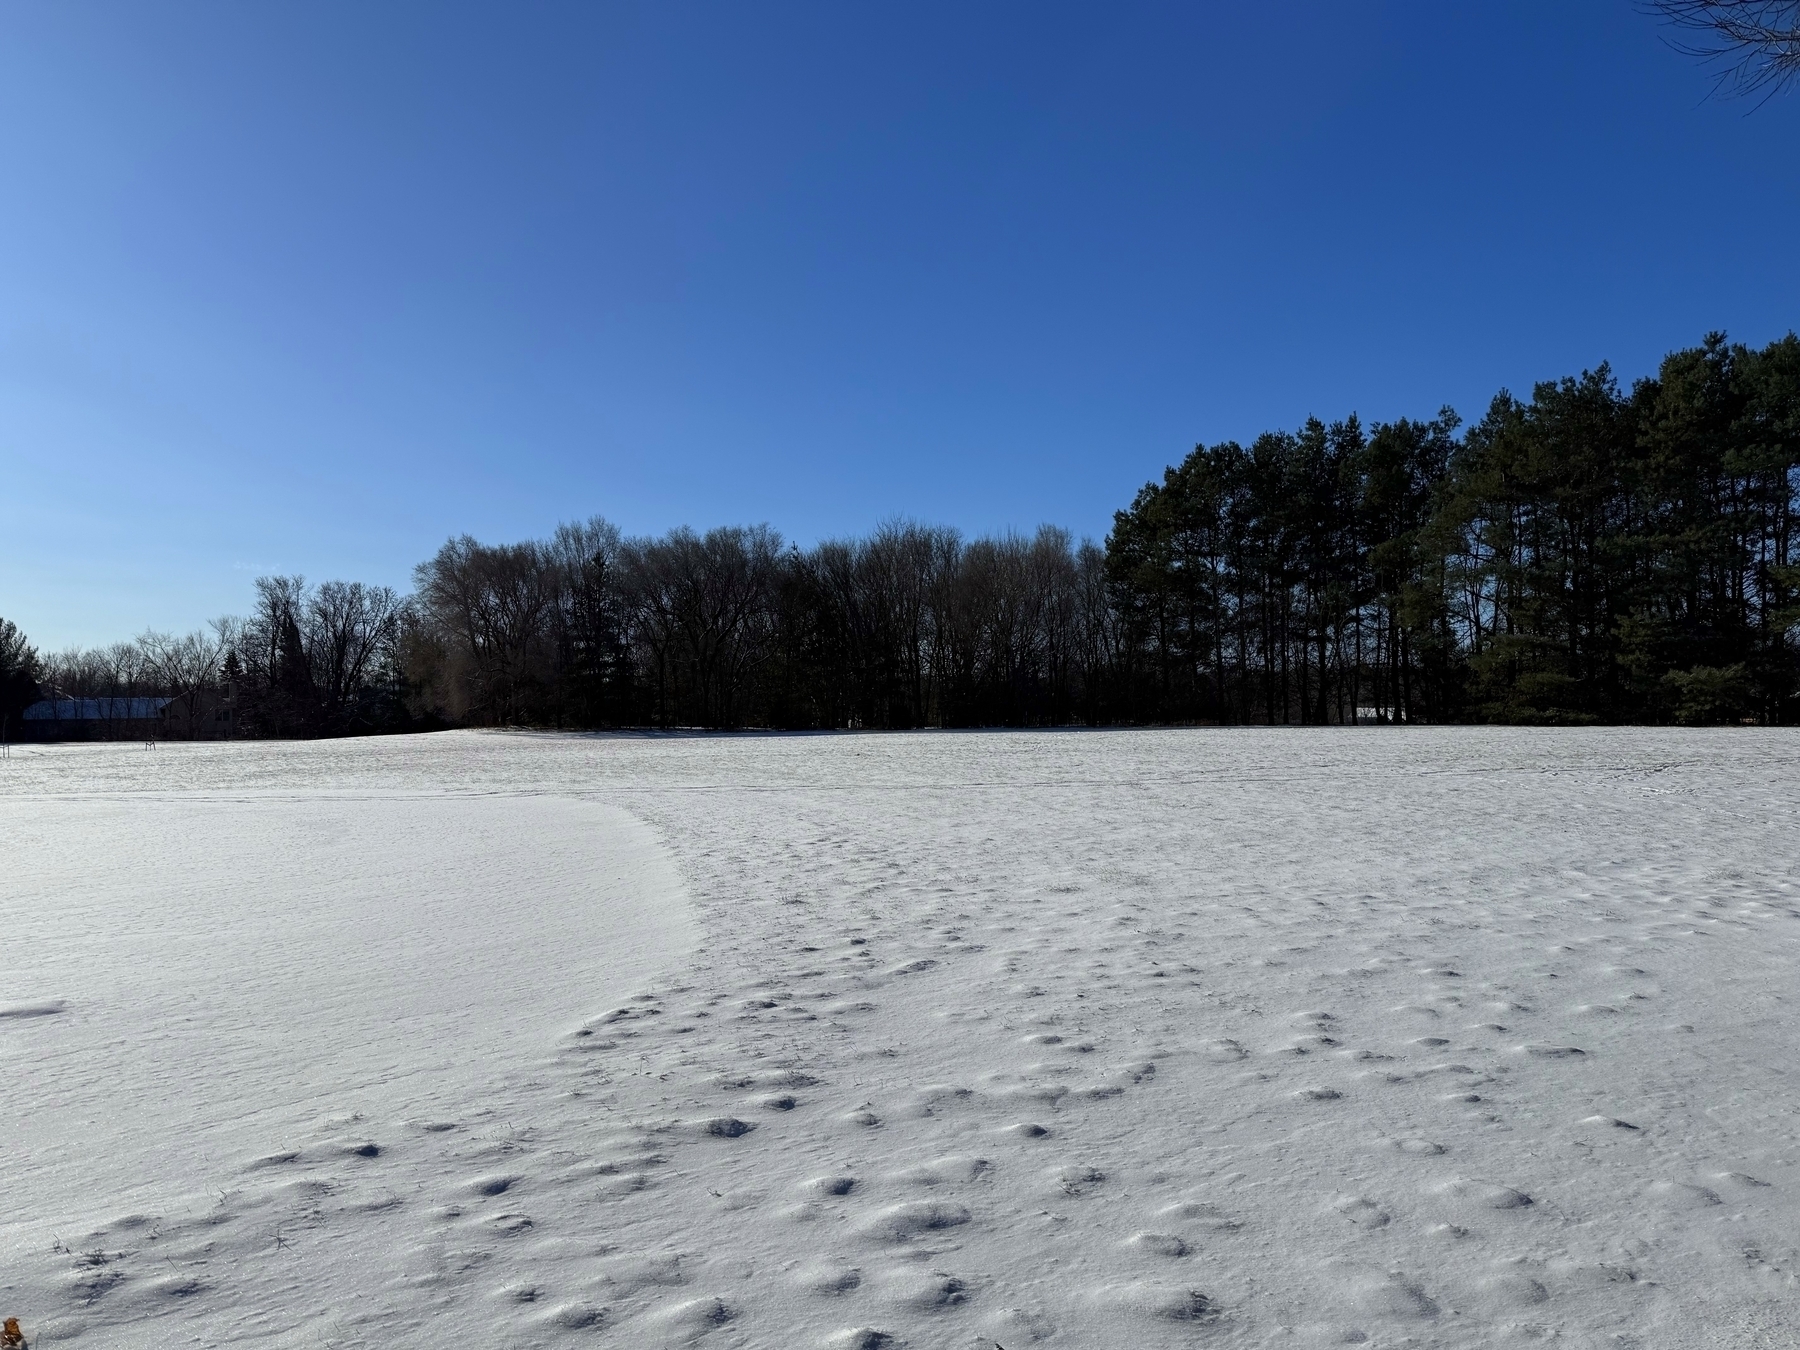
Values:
[(309, 288)]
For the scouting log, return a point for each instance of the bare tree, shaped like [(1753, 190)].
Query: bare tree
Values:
[(112, 677), (490, 610), (187, 668), (704, 606), (907, 556), (353, 628), (1755, 44)]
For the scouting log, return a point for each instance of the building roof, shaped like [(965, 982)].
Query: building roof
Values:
[(96, 709)]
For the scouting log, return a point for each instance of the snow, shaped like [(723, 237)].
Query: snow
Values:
[(1384, 1036), (229, 968)]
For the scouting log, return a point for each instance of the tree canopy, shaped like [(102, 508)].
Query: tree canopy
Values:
[(1587, 554)]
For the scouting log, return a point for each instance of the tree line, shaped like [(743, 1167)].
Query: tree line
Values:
[(911, 626), (1590, 554), (308, 661)]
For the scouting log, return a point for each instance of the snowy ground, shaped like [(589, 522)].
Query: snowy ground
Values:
[(1423, 1037)]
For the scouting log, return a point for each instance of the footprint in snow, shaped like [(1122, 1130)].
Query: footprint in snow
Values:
[(1514, 1288), (1683, 1195), (861, 1338), (624, 1276), (925, 1291), (901, 1223), (1076, 1180), (693, 1318), (1157, 1244), (1170, 1303), (1362, 1212), (944, 1171), (1419, 1148), (725, 1127), (1212, 1217), (1486, 1193), (1012, 1327), (572, 1316), (1740, 1179), (176, 1286), (1396, 1296), (828, 1279)]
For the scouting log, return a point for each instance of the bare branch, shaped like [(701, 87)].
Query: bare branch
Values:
[(1753, 44)]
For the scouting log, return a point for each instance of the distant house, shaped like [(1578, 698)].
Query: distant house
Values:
[(210, 717), (96, 719)]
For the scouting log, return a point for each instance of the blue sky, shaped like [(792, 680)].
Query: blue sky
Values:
[(309, 288)]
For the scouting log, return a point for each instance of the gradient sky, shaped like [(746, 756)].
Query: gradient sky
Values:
[(309, 288)]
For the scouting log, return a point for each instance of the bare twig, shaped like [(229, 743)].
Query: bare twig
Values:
[(1754, 44)]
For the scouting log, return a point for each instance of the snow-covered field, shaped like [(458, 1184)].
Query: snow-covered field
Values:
[(1386, 1037)]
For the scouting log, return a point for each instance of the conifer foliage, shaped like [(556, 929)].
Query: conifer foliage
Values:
[(1589, 555)]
